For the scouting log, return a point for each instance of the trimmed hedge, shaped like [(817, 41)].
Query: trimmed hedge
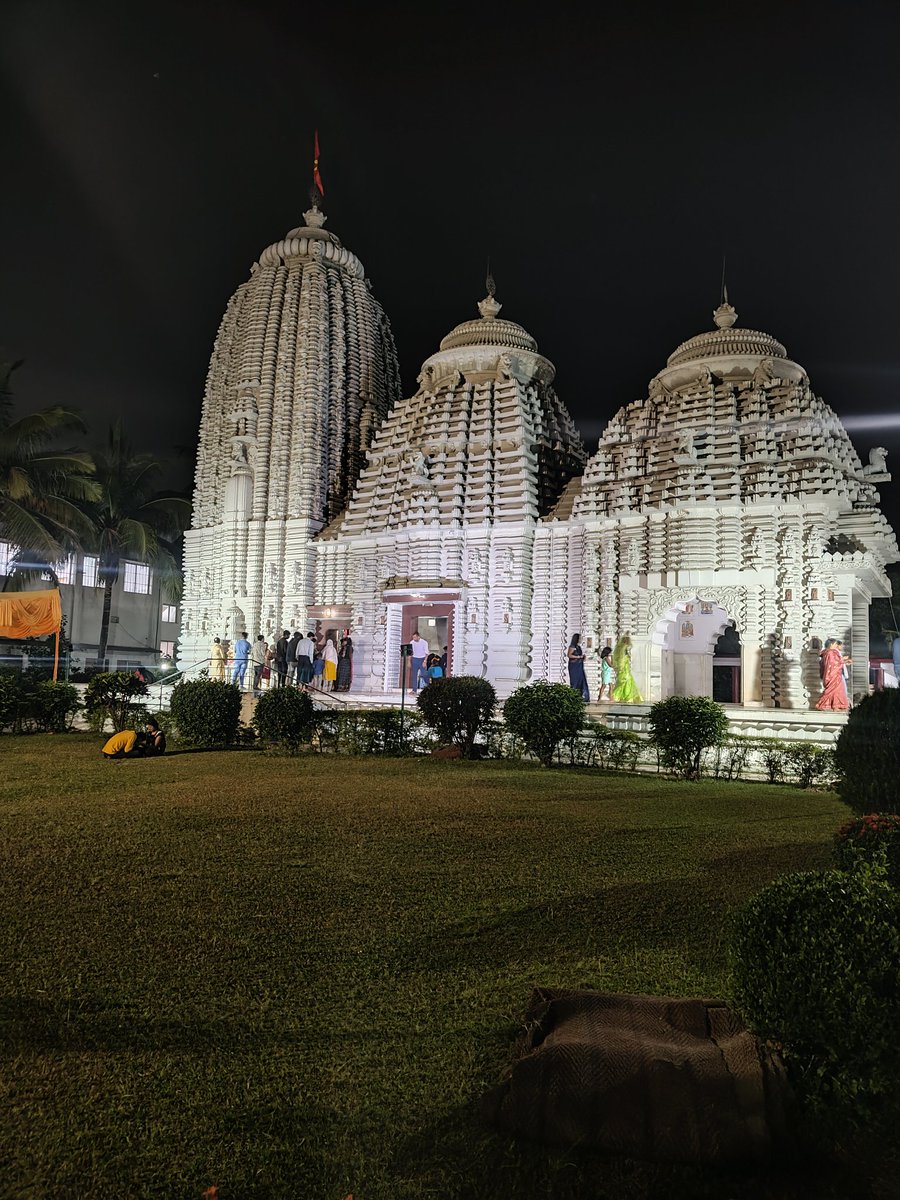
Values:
[(874, 838), (206, 712), (815, 968), (543, 715), (867, 755), (457, 708), (31, 704), (683, 727), (284, 717)]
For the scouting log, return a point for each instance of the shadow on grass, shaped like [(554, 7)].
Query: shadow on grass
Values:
[(30, 1024), (490, 1164), (659, 913)]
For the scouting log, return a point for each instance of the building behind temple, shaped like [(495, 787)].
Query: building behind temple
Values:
[(725, 521)]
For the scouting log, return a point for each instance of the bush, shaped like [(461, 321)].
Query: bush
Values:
[(616, 749), (206, 712), (110, 696), (542, 714), (457, 708), (729, 759), (815, 968), (867, 755), (807, 763), (873, 838), (371, 731), (498, 741), (284, 717), (12, 700), (682, 727), (53, 706)]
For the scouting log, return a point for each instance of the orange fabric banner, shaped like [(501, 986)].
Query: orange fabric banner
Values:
[(29, 614)]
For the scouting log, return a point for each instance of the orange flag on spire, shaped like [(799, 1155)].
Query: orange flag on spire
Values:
[(317, 178)]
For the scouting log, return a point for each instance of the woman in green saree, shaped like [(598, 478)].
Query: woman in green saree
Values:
[(625, 690)]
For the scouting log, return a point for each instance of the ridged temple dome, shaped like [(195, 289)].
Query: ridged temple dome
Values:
[(725, 341), (489, 331)]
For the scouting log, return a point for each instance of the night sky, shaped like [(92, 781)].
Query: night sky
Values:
[(602, 160)]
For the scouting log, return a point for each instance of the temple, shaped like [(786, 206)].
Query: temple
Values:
[(725, 521)]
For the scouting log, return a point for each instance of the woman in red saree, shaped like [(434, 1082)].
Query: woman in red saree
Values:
[(834, 688)]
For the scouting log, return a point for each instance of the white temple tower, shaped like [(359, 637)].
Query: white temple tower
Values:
[(438, 535), (730, 497), (302, 372)]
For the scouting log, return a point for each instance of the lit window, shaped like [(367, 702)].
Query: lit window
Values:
[(167, 649), (90, 571), (169, 612), (7, 553), (65, 570), (137, 578)]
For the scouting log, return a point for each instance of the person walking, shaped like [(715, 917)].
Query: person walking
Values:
[(242, 650), (607, 674), (258, 660), (444, 661), (281, 649), (577, 677), (419, 654), (625, 690), (217, 661), (292, 656), (834, 685), (306, 649)]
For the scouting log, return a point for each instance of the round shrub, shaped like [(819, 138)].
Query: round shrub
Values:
[(457, 708), (284, 717), (542, 714), (682, 727), (867, 755), (815, 968), (54, 705), (873, 838), (206, 712)]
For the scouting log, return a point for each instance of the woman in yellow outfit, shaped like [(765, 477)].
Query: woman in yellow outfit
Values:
[(625, 690), (329, 675), (217, 661)]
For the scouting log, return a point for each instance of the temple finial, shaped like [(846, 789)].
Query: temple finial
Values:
[(725, 315), (490, 283)]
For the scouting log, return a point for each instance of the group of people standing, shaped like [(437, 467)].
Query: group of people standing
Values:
[(616, 679), (296, 659)]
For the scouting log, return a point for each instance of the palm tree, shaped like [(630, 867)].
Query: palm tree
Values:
[(132, 519), (42, 490)]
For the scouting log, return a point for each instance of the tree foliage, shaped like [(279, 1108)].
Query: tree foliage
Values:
[(110, 696), (457, 708), (682, 727), (542, 715)]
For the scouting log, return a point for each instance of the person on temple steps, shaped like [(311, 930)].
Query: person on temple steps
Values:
[(577, 677), (306, 649), (292, 657), (419, 654), (242, 650), (330, 673), (607, 674), (281, 649), (217, 661), (258, 660), (345, 665)]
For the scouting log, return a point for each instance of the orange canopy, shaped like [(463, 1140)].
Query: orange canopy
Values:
[(29, 614)]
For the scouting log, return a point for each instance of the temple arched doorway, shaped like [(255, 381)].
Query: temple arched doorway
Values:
[(696, 651)]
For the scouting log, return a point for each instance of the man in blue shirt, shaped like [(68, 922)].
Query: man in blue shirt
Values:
[(241, 657)]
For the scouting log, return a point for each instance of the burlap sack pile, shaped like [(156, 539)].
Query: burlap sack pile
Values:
[(643, 1076)]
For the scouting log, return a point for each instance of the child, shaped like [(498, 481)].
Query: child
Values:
[(607, 674)]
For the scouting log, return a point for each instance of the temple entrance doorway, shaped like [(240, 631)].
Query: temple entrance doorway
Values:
[(726, 680), (434, 623), (696, 650)]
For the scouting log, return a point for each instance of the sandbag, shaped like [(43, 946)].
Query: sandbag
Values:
[(647, 1077)]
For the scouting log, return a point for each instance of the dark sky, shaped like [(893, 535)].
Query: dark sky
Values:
[(604, 160)]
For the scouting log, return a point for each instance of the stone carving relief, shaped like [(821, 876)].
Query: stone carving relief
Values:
[(505, 566), (477, 565)]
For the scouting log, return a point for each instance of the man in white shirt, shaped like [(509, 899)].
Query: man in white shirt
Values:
[(419, 653), (306, 648)]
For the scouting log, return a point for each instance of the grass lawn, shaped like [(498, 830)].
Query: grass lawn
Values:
[(296, 977)]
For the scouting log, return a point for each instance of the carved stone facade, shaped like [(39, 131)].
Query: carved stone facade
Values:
[(730, 496)]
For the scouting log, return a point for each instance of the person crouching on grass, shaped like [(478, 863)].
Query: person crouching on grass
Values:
[(128, 743)]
